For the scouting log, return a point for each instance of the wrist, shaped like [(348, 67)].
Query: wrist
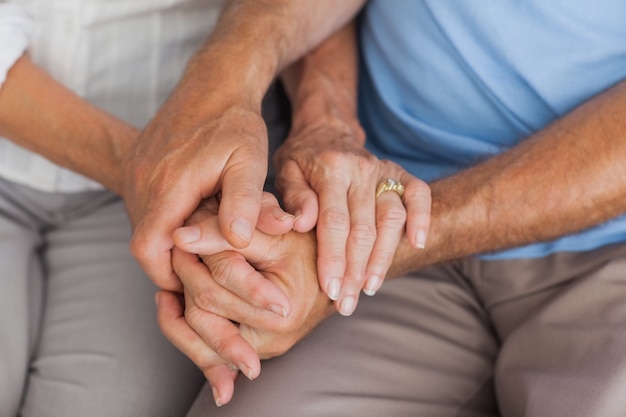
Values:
[(459, 225), (240, 60), (215, 78), (121, 138), (325, 104)]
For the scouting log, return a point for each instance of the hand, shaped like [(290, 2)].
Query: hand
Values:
[(287, 261), (206, 238), (217, 370), (247, 292), (195, 147), (235, 280), (327, 176), (223, 351)]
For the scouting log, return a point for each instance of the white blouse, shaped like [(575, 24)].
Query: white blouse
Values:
[(123, 56)]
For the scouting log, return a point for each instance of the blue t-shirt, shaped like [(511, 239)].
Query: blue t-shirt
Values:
[(446, 84)]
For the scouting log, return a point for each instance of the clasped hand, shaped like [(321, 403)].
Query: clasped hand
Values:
[(242, 305), (327, 179)]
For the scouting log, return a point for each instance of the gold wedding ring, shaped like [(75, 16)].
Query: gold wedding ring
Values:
[(390, 185)]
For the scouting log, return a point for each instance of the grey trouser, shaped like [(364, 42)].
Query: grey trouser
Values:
[(78, 334), (539, 337)]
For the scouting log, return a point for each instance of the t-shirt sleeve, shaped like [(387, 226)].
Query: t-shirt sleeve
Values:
[(16, 29)]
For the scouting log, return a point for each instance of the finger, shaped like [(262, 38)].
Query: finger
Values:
[(165, 210), (229, 270), (203, 237), (230, 287), (273, 220), (417, 200), (333, 228), (268, 344), (298, 196), (242, 187), (170, 316), (202, 234), (152, 246), (390, 225), (233, 272), (361, 240), (222, 336), (222, 380), (171, 319)]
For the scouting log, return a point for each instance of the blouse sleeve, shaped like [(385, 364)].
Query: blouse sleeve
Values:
[(16, 29)]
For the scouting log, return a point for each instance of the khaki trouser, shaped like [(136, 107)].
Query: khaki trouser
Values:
[(535, 337), (78, 333)]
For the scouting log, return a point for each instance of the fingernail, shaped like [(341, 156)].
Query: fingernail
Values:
[(347, 306), (420, 239), (373, 285), (189, 234), (233, 367), (246, 370), (281, 215), (334, 287), (276, 309), (296, 217), (242, 229), (216, 397)]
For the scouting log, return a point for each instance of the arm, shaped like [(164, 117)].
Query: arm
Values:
[(209, 137), (565, 178), (40, 114), (324, 170)]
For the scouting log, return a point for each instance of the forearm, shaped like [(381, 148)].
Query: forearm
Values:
[(254, 41), (40, 114), (322, 86), (567, 177)]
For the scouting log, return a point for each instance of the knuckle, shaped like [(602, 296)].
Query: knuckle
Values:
[(342, 158), (194, 316), (206, 300), (390, 166), (418, 189), (201, 361), (220, 346), (334, 218), (255, 291), (246, 195), (221, 268), (332, 260), (139, 246), (332, 158), (224, 346), (367, 164), (393, 216), (353, 285), (363, 234), (423, 191)]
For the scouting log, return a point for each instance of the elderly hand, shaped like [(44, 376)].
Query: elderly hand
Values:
[(328, 179), (227, 287), (198, 145)]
